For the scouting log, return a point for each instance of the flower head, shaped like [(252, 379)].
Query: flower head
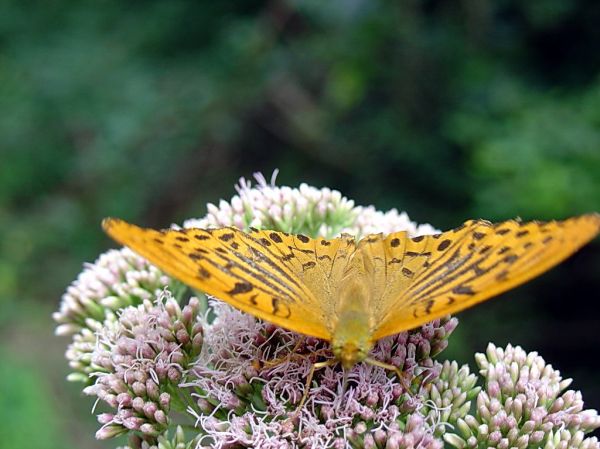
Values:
[(252, 376), (306, 209), (142, 355), (117, 279), (524, 403)]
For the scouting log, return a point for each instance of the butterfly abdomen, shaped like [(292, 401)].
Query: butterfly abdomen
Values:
[(351, 340)]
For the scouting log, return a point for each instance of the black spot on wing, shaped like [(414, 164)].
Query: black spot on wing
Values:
[(444, 244), (428, 306), (182, 239), (195, 256), (265, 242), (478, 270), (241, 287), (395, 242), (463, 290), (303, 238), (485, 249), (203, 273), (226, 237), (280, 308), (308, 265), (502, 276), (408, 273), (275, 237)]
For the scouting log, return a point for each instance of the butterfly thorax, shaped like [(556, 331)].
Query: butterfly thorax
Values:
[(351, 341)]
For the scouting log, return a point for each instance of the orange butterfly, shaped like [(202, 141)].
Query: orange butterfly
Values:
[(350, 292)]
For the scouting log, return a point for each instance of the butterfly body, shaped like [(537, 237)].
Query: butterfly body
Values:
[(354, 293), (351, 338)]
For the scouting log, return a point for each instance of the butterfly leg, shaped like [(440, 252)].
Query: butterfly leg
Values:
[(311, 373), (294, 356), (391, 367), (287, 358)]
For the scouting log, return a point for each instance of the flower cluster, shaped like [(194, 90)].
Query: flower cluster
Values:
[(447, 398), (524, 404), (142, 356), (117, 279), (306, 209), (256, 372), (241, 382)]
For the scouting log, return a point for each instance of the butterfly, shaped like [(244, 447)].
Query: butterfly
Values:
[(353, 292)]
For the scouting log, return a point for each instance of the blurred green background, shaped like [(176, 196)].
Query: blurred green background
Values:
[(147, 110)]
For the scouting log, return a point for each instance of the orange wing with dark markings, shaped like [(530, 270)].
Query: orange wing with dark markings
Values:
[(294, 281), (432, 276), (271, 275)]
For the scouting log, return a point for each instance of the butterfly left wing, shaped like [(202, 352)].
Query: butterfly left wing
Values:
[(432, 276), (239, 268)]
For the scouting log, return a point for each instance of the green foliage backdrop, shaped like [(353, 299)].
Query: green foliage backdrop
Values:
[(149, 109)]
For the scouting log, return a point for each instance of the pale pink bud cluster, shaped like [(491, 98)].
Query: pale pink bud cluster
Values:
[(368, 220), (524, 404), (117, 279), (306, 209), (142, 355), (448, 397)]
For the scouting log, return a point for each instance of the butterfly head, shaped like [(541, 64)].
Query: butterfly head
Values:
[(349, 354)]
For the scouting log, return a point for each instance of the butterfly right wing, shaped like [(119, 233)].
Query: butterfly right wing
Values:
[(436, 275), (234, 266)]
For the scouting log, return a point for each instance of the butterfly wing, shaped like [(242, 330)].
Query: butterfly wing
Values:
[(264, 273), (432, 276), (319, 263)]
